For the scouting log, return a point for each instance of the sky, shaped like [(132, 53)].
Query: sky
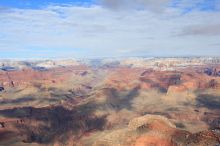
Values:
[(109, 28)]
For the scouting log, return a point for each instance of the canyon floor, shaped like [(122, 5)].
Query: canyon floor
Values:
[(110, 105)]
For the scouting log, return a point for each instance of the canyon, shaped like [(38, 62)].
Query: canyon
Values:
[(133, 101)]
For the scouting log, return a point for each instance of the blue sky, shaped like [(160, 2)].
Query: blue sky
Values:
[(108, 28), (36, 4), (205, 5)]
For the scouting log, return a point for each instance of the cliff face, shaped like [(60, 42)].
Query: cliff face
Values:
[(111, 104), (25, 77)]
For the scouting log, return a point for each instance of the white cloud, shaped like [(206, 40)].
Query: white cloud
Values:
[(156, 6), (98, 31), (203, 30)]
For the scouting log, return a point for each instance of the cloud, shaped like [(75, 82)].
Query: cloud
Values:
[(98, 31), (203, 30), (161, 5), (188, 5), (156, 6)]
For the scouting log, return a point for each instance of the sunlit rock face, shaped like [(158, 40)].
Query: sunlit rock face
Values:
[(127, 102)]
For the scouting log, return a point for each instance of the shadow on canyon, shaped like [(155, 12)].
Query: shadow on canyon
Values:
[(27, 99), (47, 124), (44, 125), (209, 101), (117, 101)]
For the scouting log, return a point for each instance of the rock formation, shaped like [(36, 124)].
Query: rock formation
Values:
[(126, 102)]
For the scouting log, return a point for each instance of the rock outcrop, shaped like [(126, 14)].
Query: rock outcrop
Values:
[(158, 131)]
